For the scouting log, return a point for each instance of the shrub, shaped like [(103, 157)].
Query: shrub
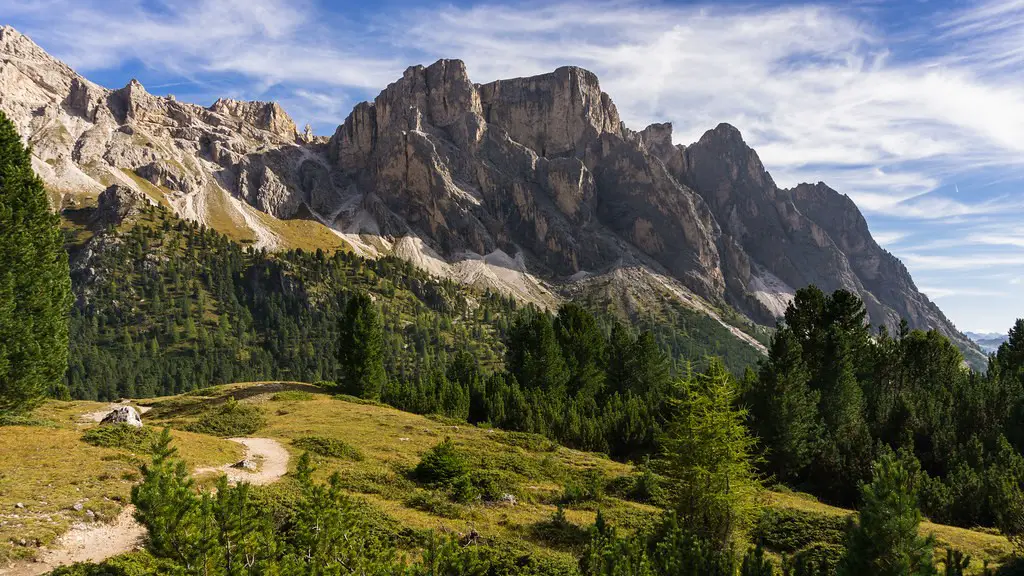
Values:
[(292, 395), (442, 464), (328, 447), (560, 532), (644, 486), (121, 436), (527, 441), (790, 530), (130, 564), (589, 488), (492, 484), (433, 503), (20, 420), (818, 559), (462, 490), (229, 419)]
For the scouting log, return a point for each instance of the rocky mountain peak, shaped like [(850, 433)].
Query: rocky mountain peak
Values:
[(554, 114), (269, 116), (722, 165), (657, 139), (524, 184)]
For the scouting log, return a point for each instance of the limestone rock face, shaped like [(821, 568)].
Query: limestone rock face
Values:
[(123, 415), (267, 116), (528, 185), (117, 204), (554, 114)]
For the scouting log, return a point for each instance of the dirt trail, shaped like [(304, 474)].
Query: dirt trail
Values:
[(97, 542), (270, 456)]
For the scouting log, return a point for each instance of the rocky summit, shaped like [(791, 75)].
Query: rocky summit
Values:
[(533, 186)]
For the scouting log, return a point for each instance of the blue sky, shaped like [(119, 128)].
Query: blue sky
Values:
[(914, 108)]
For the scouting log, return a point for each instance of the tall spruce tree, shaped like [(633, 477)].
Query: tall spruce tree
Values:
[(361, 348), (35, 286), (583, 347), (785, 409), (533, 355)]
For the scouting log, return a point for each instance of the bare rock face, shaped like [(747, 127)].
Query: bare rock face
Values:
[(267, 116), (554, 114), (123, 415), (117, 204)]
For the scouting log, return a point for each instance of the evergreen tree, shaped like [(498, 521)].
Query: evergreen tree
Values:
[(785, 409), (361, 348), (707, 450), (534, 356), (885, 540), (35, 286), (583, 347)]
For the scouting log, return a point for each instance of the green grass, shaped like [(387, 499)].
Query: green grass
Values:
[(49, 469), (292, 396), (328, 447)]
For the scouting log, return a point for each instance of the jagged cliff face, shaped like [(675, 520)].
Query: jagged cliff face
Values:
[(528, 185)]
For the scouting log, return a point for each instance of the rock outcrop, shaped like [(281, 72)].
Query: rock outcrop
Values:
[(522, 185), (123, 415)]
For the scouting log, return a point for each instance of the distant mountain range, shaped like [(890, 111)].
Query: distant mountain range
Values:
[(532, 186), (989, 342)]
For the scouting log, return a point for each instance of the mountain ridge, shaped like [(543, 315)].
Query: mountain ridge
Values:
[(526, 185)]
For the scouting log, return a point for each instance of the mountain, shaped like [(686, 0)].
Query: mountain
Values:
[(989, 342), (532, 186)]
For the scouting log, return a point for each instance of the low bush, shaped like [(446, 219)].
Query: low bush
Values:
[(527, 441), (462, 490), (121, 436), (21, 420), (229, 419), (493, 484), (587, 487), (131, 564), (560, 532), (434, 503), (442, 464), (328, 447), (292, 396), (817, 559), (644, 486), (790, 530)]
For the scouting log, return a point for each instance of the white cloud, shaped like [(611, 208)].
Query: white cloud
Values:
[(936, 293), (955, 262), (889, 237)]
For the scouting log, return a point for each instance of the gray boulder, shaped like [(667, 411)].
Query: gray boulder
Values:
[(123, 415)]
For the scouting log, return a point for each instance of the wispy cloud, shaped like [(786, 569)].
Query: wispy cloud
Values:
[(937, 293), (961, 261)]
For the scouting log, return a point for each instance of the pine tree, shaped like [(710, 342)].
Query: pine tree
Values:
[(361, 348), (885, 540), (533, 355), (35, 286), (785, 409), (583, 348)]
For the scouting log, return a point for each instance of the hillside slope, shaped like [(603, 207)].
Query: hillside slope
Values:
[(525, 185), (374, 448)]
